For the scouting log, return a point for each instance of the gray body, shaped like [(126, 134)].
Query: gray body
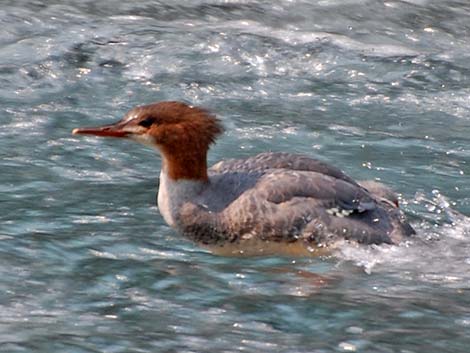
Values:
[(282, 198)]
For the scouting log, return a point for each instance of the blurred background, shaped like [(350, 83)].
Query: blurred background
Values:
[(380, 89)]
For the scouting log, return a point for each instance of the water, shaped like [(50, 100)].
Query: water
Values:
[(87, 264)]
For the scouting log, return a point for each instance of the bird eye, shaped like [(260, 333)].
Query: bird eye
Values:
[(147, 122)]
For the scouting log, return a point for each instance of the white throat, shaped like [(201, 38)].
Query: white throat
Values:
[(173, 194)]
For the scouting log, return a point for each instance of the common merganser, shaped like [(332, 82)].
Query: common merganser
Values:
[(271, 203)]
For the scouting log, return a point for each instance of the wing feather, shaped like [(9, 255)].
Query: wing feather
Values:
[(286, 197), (289, 205), (279, 160)]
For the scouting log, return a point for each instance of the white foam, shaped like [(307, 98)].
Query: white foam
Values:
[(438, 253)]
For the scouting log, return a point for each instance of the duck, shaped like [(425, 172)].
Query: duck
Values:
[(272, 203)]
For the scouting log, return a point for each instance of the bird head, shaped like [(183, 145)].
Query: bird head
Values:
[(182, 133)]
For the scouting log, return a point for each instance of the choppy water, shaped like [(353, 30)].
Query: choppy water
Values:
[(379, 88)]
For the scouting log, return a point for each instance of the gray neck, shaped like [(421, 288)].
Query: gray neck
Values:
[(173, 194)]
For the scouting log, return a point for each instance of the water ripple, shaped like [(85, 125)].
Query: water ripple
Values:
[(380, 89)]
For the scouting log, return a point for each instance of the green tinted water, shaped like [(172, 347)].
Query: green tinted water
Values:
[(380, 89)]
